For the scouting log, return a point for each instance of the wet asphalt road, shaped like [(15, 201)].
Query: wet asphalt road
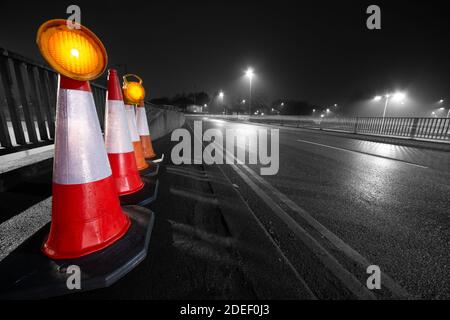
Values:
[(389, 203), (336, 206)]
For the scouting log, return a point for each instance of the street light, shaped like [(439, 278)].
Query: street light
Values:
[(398, 96), (249, 73), (221, 99)]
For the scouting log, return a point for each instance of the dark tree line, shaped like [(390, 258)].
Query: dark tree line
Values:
[(183, 100), (230, 106)]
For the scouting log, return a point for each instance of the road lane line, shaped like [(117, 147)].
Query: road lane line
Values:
[(267, 234), (361, 152), (273, 242), (347, 250), (330, 262)]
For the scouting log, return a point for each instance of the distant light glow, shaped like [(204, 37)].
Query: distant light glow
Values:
[(399, 96), (441, 101), (249, 73), (377, 98)]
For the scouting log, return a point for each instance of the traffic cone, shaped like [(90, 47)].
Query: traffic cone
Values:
[(118, 141), (86, 214), (144, 132), (138, 152)]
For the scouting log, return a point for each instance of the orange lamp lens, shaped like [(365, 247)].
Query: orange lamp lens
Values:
[(134, 92), (75, 53)]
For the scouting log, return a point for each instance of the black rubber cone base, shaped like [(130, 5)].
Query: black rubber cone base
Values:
[(143, 197), (151, 171), (28, 274)]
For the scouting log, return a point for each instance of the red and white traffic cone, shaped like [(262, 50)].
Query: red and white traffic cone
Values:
[(118, 141), (144, 132), (138, 152), (86, 214)]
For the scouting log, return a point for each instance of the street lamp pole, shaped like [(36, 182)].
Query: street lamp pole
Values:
[(386, 105), (250, 98), (249, 74)]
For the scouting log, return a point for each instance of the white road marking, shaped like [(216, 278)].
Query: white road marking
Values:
[(351, 253), (361, 152), (330, 262), (348, 251)]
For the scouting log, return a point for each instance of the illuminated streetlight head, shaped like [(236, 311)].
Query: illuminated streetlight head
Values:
[(249, 73), (328, 110), (377, 98), (441, 101), (399, 96), (221, 94)]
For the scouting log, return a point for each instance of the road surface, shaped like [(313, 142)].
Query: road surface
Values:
[(337, 206), (358, 201)]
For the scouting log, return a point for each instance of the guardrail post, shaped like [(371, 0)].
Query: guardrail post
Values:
[(12, 96), (355, 129), (414, 128)]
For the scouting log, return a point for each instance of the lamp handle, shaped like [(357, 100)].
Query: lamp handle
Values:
[(125, 78)]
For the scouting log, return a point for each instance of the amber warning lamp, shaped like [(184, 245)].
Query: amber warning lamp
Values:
[(133, 91), (75, 53)]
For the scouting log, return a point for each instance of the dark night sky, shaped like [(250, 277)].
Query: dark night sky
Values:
[(320, 51)]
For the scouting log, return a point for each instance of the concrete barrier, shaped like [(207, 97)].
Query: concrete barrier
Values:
[(163, 121)]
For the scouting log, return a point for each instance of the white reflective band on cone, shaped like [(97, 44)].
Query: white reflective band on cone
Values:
[(132, 123), (80, 154), (117, 134), (141, 120)]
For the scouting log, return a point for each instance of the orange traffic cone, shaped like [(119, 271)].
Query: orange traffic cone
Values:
[(138, 152), (118, 141), (86, 214), (144, 132)]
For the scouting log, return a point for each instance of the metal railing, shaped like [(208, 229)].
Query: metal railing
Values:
[(414, 128), (28, 103)]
